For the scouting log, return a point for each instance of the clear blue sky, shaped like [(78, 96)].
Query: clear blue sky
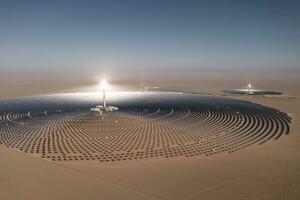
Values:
[(65, 35)]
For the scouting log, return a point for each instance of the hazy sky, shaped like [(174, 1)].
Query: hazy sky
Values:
[(149, 35)]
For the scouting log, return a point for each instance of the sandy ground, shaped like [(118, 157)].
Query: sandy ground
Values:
[(269, 171)]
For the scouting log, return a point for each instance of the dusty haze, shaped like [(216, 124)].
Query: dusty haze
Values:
[(13, 85)]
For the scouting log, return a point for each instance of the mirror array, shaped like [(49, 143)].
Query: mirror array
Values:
[(61, 128)]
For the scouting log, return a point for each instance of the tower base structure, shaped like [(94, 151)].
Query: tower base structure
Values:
[(101, 108)]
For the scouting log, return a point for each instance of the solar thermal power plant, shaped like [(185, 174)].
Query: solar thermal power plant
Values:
[(149, 100), (61, 128), (251, 91), (133, 143)]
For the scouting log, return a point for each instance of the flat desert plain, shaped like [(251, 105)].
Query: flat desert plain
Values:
[(268, 171)]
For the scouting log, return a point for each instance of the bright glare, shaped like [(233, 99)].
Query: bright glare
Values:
[(103, 85), (249, 85)]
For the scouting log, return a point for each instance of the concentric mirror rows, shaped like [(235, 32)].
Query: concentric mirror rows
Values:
[(146, 126)]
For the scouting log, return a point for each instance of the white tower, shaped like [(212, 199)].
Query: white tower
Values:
[(104, 99), (103, 86), (104, 107)]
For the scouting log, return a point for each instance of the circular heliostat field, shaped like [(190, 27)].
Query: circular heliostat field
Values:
[(147, 125)]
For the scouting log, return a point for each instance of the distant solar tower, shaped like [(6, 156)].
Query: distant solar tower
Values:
[(249, 86), (249, 89)]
